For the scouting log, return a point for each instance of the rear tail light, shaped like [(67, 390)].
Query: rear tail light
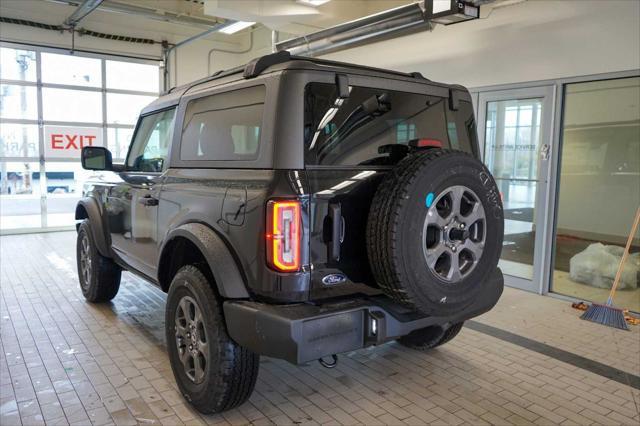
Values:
[(426, 143), (283, 235)]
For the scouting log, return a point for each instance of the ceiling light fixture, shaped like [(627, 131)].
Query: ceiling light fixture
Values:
[(235, 27), (314, 3)]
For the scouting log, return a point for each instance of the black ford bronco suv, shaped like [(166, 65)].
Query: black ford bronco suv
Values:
[(296, 208)]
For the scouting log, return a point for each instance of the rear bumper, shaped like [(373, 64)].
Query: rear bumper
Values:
[(300, 333)]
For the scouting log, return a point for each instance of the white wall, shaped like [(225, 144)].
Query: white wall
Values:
[(529, 41), (193, 59)]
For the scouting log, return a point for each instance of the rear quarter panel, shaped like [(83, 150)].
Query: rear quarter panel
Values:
[(232, 203)]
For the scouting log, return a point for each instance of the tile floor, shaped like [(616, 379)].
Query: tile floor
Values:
[(64, 361)]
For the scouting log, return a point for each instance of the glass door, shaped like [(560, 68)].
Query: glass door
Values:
[(514, 128)]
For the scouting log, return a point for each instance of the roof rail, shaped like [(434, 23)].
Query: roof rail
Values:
[(257, 65), (362, 67)]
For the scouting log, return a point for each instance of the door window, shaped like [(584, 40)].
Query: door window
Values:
[(151, 142)]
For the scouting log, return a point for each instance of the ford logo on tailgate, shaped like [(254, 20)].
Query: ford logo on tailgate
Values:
[(333, 279)]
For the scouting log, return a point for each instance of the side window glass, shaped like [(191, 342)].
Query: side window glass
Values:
[(461, 127), (225, 126), (151, 142)]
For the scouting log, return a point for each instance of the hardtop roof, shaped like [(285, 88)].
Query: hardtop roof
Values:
[(282, 61)]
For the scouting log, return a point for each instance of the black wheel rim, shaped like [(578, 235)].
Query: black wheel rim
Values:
[(191, 339), (85, 260), (454, 233)]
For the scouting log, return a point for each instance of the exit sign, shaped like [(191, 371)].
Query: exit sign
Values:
[(67, 142)]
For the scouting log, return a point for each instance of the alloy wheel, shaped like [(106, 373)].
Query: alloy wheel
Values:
[(191, 339), (85, 261), (454, 233)]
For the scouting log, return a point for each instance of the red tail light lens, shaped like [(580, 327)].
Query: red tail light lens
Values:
[(283, 235)]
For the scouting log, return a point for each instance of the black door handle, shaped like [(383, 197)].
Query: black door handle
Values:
[(148, 200)]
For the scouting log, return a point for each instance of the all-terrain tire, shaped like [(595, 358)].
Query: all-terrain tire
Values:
[(395, 233), (102, 281), (428, 338), (231, 370)]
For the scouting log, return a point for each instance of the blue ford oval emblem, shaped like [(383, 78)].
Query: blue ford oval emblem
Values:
[(332, 279)]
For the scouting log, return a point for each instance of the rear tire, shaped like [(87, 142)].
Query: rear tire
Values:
[(213, 372), (430, 337), (99, 276)]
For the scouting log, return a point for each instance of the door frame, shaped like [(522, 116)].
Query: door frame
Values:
[(544, 188)]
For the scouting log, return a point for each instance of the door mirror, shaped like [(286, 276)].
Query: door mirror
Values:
[(96, 158)]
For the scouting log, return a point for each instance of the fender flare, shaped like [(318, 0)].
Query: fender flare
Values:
[(223, 266), (90, 205)]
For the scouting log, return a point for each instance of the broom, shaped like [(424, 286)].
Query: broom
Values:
[(607, 314)]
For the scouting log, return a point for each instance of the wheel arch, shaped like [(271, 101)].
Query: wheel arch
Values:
[(178, 250), (87, 208)]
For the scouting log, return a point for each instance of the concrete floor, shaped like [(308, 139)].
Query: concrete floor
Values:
[(528, 361)]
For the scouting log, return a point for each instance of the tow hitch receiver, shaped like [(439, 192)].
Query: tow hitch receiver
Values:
[(326, 364)]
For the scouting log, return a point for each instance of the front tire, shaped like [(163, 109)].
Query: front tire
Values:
[(99, 276), (213, 372)]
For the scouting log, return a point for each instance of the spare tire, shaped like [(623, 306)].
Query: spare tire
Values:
[(435, 229)]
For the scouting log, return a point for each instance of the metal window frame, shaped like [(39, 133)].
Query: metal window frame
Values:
[(40, 122), (549, 206)]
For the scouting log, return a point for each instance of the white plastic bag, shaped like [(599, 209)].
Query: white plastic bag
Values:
[(597, 266)]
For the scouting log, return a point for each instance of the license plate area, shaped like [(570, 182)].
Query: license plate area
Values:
[(332, 335)]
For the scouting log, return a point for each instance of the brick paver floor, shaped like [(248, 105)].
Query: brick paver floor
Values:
[(65, 361)]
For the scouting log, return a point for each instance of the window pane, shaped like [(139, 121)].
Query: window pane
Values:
[(151, 145), (350, 131), (224, 126), (124, 109), (132, 76), (19, 195), (599, 191), (526, 113), (71, 105), (511, 117), (68, 141), (511, 148), (68, 69), (18, 102), (118, 141), (19, 140), (64, 183), (17, 64)]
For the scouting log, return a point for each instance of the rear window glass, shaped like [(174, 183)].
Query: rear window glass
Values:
[(225, 126), (349, 132)]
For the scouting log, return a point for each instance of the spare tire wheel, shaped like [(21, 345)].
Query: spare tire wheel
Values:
[(435, 230)]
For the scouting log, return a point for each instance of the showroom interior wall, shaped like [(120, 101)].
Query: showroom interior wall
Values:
[(528, 41)]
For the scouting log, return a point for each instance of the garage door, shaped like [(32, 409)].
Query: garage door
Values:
[(51, 104)]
